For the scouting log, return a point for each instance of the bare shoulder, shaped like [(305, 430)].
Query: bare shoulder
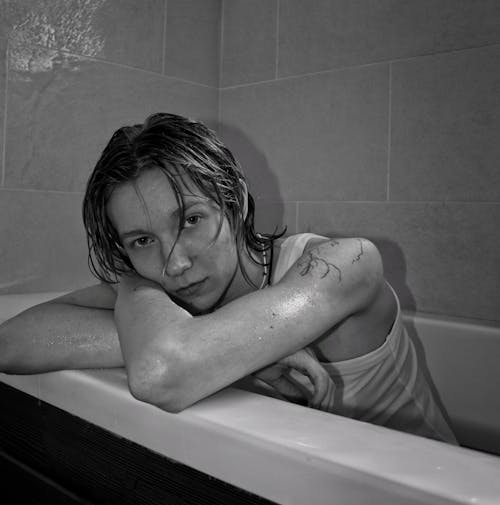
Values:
[(99, 296), (348, 266), (354, 243), (336, 256)]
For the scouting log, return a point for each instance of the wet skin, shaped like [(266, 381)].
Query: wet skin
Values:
[(199, 268)]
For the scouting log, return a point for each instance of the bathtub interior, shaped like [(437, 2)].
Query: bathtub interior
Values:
[(461, 358)]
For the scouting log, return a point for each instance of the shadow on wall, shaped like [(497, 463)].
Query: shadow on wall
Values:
[(262, 183), (395, 273)]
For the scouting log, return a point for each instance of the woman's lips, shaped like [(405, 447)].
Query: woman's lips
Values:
[(191, 289)]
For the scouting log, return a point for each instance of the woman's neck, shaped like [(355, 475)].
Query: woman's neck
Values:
[(249, 275)]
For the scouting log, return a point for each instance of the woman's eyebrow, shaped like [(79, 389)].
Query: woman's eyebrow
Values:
[(133, 233), (191, 202), (188, 203)]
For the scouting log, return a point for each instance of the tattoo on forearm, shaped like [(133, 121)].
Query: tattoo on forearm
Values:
[(361, 252), (311, 261)]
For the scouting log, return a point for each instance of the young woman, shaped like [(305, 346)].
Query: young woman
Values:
[(192, 299)]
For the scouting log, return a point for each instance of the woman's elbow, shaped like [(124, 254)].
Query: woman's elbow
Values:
[(9, 357), (155, 381), (7, 364)]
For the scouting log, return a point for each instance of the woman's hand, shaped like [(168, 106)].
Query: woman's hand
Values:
[(304, 361)]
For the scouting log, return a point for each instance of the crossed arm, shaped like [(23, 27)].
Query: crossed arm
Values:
[(174, 359), (180, 359)]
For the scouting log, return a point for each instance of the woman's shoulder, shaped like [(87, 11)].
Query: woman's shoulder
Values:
[(287, 250), (299, 240)]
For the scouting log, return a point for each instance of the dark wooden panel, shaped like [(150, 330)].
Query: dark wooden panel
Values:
[(23, 486), (98, 465), (21, 426)]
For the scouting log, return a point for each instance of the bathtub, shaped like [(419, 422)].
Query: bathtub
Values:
[(290, 454)]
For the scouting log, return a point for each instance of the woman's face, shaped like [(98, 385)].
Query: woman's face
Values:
[(198, 269)]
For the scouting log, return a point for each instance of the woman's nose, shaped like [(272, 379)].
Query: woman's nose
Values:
[(177, 261)]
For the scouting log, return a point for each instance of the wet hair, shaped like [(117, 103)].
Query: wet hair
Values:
[(181, 148)]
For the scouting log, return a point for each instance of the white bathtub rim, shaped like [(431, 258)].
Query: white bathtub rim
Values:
[(452, 322)]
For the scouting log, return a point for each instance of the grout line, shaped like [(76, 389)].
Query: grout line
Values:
[(297, 202), (297, 217), (309, 74), (362, 65), (4, 133), (442, 53), (130, 67), (253, 83), (277, 48), (164, 38), (31, 190), (389, 133), (398, 202)]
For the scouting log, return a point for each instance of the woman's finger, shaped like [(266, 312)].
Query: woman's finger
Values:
[(289, 390), (270, 373), (307, 364), (327, 402), (274, 378)]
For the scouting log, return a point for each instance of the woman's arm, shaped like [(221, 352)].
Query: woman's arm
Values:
[(76, 330), (174, 359)]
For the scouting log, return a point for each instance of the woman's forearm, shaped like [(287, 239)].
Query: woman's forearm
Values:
[(55, 336)]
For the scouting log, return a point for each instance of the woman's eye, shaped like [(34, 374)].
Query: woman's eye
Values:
[(141, 242), (192, 220)]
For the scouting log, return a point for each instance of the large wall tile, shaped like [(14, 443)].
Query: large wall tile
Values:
[(441, 258), (192, 40), (61, 117), (324, 136), (132, 31), (3, 83), (272, 217), (249, 41), (46, 248), (123, 31), (445, 127), (328, 34)]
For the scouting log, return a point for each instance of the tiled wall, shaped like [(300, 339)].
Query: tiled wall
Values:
[(72, 72), (377, 119)]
